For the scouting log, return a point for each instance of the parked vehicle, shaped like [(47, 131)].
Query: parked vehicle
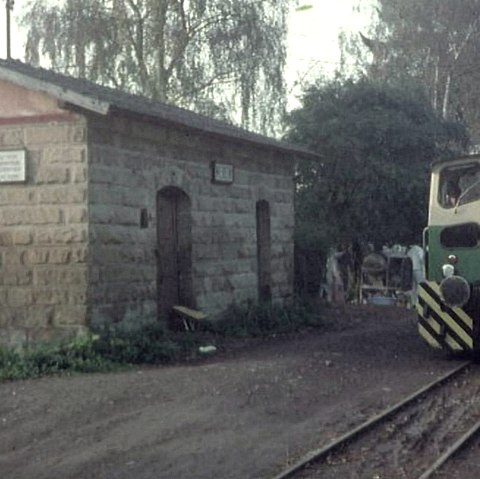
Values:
[(386, 278)]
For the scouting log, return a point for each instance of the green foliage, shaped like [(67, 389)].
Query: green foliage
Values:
[(77, 355), (376, 141), (143, 343), (115, 346), (221, 58), (264, 319)]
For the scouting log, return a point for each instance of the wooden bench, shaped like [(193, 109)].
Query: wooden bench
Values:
[(189, 317)]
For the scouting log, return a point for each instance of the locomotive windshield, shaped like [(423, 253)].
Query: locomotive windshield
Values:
[(459, 185)]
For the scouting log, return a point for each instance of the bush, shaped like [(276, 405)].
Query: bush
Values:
[(264, 319), (143, 343), (77, 355)]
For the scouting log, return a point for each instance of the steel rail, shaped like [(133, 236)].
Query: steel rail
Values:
[(317, 454), (454, 448)]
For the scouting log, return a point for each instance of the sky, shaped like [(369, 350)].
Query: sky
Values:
[(313, 38), (312, 46)]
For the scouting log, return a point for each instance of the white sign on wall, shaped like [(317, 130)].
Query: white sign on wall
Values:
[(12, 166), (222, 173)]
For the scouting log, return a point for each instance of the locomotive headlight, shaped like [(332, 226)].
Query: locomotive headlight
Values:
[(452, 259), (448, 270), (455, 290)]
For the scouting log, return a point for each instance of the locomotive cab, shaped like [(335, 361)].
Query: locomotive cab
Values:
[(448, 304)]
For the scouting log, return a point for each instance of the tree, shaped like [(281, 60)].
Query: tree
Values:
[(435, 41), (377, 141), (217, 57)]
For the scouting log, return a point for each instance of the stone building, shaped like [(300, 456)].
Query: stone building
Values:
[(113, 206)]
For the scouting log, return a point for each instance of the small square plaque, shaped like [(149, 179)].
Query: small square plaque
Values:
[(12, 166), (222, 173)]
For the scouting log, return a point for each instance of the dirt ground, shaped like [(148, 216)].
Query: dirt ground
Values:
[(243, 413)]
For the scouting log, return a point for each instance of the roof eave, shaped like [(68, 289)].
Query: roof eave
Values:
[(62, 94), (101, 107), (297, 151)]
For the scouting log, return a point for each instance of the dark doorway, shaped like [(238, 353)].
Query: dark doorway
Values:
[(263, 251), (174, 233)]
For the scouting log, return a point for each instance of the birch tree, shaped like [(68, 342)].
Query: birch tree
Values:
[(222, 58)]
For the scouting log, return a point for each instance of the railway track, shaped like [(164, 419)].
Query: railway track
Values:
[(411, 440)]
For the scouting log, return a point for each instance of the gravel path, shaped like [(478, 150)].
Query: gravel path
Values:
[(242, 414)]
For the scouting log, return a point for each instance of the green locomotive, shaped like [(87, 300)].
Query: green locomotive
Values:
[(448, 303)]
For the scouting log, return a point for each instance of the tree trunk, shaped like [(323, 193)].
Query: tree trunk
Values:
[(446, 96), (160, 88), (435, 86)]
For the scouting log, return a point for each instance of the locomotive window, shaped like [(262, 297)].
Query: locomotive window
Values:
[(459, 185), (460, 236)]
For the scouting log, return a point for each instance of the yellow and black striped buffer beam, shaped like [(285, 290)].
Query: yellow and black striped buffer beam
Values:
[(442, 326)]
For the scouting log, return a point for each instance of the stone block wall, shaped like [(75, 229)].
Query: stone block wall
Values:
[(72, 245), (130, 162), (44, 233)]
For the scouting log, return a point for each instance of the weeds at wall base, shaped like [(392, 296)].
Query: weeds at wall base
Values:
[(116, 346), (265, 319)]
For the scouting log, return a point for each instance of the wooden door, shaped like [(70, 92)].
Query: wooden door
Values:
[(174, 250), (263, 251)]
